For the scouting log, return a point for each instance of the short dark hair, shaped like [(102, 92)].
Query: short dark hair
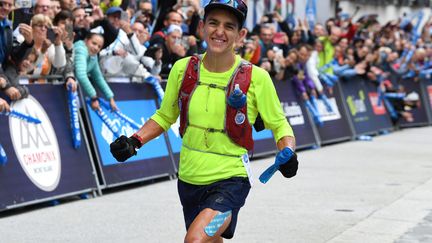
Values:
[(239, 21), (63, 15)]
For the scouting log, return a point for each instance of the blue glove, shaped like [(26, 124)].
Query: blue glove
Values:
[(282, 157)]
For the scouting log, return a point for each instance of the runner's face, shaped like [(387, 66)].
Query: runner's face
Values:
[(221, 31)]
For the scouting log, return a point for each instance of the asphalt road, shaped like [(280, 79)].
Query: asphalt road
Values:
[(360, 191)]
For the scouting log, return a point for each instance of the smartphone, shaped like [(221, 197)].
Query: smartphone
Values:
[(270, 18), (88, 10), (124, 16), (70, 32), (51, 35)]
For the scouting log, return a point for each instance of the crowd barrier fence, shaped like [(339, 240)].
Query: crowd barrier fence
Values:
[(420, 113), (367, 115), (44, 165)]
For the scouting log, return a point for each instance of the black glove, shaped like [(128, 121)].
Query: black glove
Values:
[(123, 148), (289, 169)]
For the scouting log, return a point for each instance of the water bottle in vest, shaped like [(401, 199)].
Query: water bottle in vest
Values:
[(237, 99)]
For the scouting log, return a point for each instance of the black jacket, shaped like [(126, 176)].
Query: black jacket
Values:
[(14, 54)]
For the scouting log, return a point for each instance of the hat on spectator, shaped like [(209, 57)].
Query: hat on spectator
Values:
[(174, 27), (237, 7), (114, 10)]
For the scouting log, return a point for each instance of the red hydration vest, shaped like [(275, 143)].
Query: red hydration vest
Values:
[(236, 126)]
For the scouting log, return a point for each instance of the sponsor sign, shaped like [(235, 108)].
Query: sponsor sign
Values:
[(296, 114), (138, 102), (367, 114), (36, 145), (42, 162), (419, 113), (335, 126), (104, 135)]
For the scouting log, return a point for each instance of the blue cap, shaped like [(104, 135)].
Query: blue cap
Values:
[(113, 10)]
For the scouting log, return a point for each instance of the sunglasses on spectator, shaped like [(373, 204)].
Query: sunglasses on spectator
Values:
[(5, 4)]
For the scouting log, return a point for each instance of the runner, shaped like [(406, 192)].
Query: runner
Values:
[(218, 96)]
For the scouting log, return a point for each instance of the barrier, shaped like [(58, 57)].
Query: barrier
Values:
[(367, 115), (419, 114), (42, 163), (138, 102), (426, 88), (336, 127), (296, 114)]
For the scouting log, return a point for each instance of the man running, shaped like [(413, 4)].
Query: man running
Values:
[(218, 97)]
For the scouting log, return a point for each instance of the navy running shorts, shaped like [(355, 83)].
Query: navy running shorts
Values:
[(225, 195)]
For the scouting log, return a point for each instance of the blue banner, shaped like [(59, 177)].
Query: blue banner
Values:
[(153, 149), (138, 103), (296, 114), (42, 162), (419, 113), (367, 114), (336, 126)]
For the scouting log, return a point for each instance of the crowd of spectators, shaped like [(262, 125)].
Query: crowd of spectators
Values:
[(85, 41)]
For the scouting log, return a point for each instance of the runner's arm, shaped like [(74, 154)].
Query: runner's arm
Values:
[(149, 130)]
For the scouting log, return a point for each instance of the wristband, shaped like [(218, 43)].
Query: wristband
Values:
[(139, 139)]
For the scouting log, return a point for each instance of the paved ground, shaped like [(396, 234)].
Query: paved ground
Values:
[(421, 233), (378, 191)]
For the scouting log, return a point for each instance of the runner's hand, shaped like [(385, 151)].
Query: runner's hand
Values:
[(289, 169), (123, 148)]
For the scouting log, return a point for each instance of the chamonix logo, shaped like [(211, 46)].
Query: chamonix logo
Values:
[(36, 145)]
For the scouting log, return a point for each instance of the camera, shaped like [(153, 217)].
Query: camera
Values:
[(269, 17)]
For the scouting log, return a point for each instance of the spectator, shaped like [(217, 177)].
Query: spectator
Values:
[(87, 70), (172, 18), (64, 21), (305, 85), (145, 13), (266, 35), (43, 7), (172, 49), (68, 4), (129, 47), (55, 7), (153, 62), (191, 12), (48, 54), (107, 4), (11, 55)]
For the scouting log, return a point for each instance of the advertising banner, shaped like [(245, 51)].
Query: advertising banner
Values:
[(427, 97), (419, 113), (42, 163), (336, 125), (296, 114), (137, 102), (367, 114)]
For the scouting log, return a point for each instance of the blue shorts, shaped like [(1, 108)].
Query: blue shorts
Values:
[(222, 196)]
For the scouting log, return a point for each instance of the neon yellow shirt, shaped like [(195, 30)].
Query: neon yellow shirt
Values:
[(326, 55), (207, 157), (113, 3)]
